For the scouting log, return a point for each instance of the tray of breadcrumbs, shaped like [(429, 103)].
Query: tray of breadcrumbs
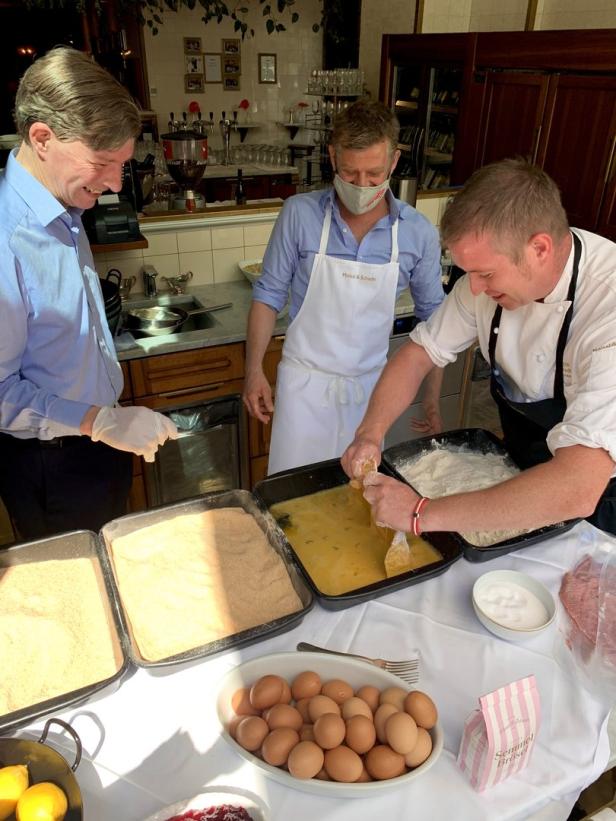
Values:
[(201, 576), (61, 638)]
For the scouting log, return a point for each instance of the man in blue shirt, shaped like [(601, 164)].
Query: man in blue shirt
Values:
[(344, 255), (65, 445)]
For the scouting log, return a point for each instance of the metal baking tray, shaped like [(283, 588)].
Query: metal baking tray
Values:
[(484, 441), (74, 545), (231, 498), (310, 479)]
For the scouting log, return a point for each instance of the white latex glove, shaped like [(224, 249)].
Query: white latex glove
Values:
[(135, 429)]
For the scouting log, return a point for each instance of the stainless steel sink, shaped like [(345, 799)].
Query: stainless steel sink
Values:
[(187, 302)]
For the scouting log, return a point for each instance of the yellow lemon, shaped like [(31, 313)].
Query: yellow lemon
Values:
[(42, 802), (13, 782)]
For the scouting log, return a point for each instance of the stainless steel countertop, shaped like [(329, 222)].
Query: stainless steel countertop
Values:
[(230, 322)]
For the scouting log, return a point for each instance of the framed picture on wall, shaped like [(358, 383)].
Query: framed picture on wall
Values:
[(193, 64), (232, 65), (231, 83), (267, 68), (230, 46), (192, 45), (213, 68), (193, 83)]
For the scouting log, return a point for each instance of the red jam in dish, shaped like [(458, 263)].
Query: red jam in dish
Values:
[(224, 812)]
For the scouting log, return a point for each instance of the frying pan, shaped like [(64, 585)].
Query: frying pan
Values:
[(162, 319), (46, 764)]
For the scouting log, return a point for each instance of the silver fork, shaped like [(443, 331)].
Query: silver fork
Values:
[(408, 670)]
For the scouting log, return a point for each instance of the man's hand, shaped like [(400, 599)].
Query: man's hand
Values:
[(135, 429), (357, 455), (257, 397), (429, 425), (392, 502)]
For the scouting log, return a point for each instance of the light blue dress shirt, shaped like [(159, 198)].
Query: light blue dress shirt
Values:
[(287, 262), (56, 352)]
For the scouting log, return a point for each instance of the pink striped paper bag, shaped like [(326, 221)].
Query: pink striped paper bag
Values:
[(498, 738)]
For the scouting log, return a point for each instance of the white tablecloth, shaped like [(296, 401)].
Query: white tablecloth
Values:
[(155, 739)]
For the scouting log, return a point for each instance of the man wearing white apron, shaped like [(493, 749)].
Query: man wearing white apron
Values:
[(344, 255)]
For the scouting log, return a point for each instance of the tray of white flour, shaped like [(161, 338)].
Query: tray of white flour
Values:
[(459, 461), (61, 638), (202, 576)]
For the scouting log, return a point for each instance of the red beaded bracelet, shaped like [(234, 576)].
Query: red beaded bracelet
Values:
[(421, 503)]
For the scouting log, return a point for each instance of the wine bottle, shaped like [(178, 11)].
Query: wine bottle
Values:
[(240, 194)]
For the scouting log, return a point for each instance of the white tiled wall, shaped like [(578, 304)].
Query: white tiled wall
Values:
[(211, 254)]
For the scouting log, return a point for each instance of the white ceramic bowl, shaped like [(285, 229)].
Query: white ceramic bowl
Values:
[(522, 580), (356, 673), (213, 797), (252, 276)]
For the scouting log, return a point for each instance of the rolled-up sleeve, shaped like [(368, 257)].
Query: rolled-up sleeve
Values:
[(425, 279), (280, 259)]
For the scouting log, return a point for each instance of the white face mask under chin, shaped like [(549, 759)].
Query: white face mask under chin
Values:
[(359, 199)]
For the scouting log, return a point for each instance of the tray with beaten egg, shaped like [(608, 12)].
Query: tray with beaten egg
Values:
[(328, 527), (458, 461)]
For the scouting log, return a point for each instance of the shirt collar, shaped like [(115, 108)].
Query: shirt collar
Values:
[(38, 198), (561, 289)]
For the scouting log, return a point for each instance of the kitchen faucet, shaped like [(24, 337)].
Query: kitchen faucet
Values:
[(149, 280)]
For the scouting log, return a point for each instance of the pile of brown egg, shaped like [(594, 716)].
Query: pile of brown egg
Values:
[(325, 730)]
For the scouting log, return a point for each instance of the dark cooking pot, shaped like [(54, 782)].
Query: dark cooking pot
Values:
[(111, 289), (46, 764), (159, 320)]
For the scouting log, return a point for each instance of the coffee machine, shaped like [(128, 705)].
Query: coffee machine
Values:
[(186, 157)]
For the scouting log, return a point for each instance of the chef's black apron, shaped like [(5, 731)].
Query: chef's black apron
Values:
[(526, 424)]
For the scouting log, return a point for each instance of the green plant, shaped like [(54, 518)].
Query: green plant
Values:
[(277, 14)]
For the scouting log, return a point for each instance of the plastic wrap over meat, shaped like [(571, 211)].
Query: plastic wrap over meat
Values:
[(588, 597)]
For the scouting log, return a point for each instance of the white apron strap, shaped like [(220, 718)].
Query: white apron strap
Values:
[(325, 230), (394, 241)]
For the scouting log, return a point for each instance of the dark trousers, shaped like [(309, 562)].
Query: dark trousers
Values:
[(70, 483)]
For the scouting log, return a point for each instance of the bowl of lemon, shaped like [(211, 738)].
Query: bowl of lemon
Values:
[(36, 782)]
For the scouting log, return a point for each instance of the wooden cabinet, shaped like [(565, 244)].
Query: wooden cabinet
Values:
[(577, 147), (258, 433), (513, 108), (549, 96)]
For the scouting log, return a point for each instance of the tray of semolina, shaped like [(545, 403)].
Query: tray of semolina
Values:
[(61, 637), (201, 576), (341, 552)]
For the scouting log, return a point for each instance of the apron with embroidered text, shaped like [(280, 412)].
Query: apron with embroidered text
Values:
[(526, 424), (334, 352)]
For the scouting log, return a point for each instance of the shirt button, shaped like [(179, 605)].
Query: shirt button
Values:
[(495, 330), (344, 230), (496, 372), (540, 357), (560, 309), (528, 400)]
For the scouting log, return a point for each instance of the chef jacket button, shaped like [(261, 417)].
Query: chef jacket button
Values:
[(540, 357)]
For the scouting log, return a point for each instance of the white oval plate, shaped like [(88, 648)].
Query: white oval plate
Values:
[(215, 796), (288, 665), (529, 583)]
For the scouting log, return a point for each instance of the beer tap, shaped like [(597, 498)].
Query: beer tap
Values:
[(225, 130)]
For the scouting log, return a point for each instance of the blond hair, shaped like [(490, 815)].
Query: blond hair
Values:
[(77, 99), (363, 124), (510, 200)]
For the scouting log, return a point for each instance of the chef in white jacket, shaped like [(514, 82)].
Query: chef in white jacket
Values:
[(541, 298), (343, 254)]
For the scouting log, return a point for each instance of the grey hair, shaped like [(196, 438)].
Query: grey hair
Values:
[(510, 200), (363, 124), (78, 99)]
